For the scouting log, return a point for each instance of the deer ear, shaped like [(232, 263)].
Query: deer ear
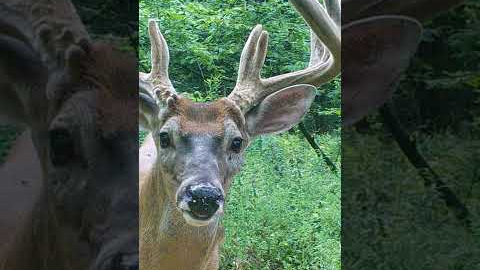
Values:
[(377, 51), (148, 107), (280, 111)]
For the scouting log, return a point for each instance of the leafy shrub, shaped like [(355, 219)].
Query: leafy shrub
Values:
[(283, 211)]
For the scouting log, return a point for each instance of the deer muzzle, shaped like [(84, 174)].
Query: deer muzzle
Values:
[(199, 203)]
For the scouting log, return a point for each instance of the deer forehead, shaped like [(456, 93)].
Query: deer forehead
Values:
[(207, 118)]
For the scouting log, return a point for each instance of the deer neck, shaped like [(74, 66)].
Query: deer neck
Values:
[(166, 240)]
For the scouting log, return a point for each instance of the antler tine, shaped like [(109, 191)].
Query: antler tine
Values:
[(328, 37), (160, 59), (159, 50), (324, 65), (251, 62), (60, 36), (334, 9)]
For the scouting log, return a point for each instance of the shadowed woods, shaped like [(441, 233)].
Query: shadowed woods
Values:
[(407, 197), (72, 178)]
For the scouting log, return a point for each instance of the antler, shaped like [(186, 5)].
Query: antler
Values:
[(324, 60), (60, 38), (157, 83)]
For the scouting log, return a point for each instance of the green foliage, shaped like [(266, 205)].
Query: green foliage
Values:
[(445, 73), (111, 21), (283, 210), (206, 39), (392, 219), (325, 113), (141, 137)]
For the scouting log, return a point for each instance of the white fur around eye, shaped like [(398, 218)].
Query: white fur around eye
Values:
[(234, 161)]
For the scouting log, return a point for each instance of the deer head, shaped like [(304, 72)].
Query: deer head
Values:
[(78, 97), (200, 146)]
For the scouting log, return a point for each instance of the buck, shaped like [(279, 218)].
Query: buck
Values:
[(194, 149), (78, 206)]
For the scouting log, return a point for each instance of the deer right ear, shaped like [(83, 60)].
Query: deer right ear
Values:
[(280, 111), (377, 51)]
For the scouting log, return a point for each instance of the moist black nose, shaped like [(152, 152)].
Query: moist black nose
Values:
[(205, 200)]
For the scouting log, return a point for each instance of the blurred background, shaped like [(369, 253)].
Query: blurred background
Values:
[(400, 162)]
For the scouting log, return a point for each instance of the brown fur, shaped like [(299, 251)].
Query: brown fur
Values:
[(105, 80), (166, 241), (109, 71), (206, 117)]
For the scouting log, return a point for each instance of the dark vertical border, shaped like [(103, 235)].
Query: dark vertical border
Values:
[(410, 177)]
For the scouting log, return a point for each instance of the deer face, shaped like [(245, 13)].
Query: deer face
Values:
[(90, 158), (78, 97), (92, 176), (85, 133), (200, 146)]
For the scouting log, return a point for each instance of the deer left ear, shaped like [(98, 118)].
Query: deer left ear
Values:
[(280, 111)]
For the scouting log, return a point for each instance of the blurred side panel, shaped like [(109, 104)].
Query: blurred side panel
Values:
[(68, 135), (410, 141)]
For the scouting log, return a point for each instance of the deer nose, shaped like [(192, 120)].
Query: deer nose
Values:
[(204, 200)]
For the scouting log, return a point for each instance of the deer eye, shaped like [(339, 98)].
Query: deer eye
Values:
[(236, 145), (61, 147), (164, 139)]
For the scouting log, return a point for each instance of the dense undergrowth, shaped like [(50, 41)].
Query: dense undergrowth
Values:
[(390, 218), (284, 209)]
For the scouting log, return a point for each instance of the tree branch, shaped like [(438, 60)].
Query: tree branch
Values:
[(409, 148), (317, 148)]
